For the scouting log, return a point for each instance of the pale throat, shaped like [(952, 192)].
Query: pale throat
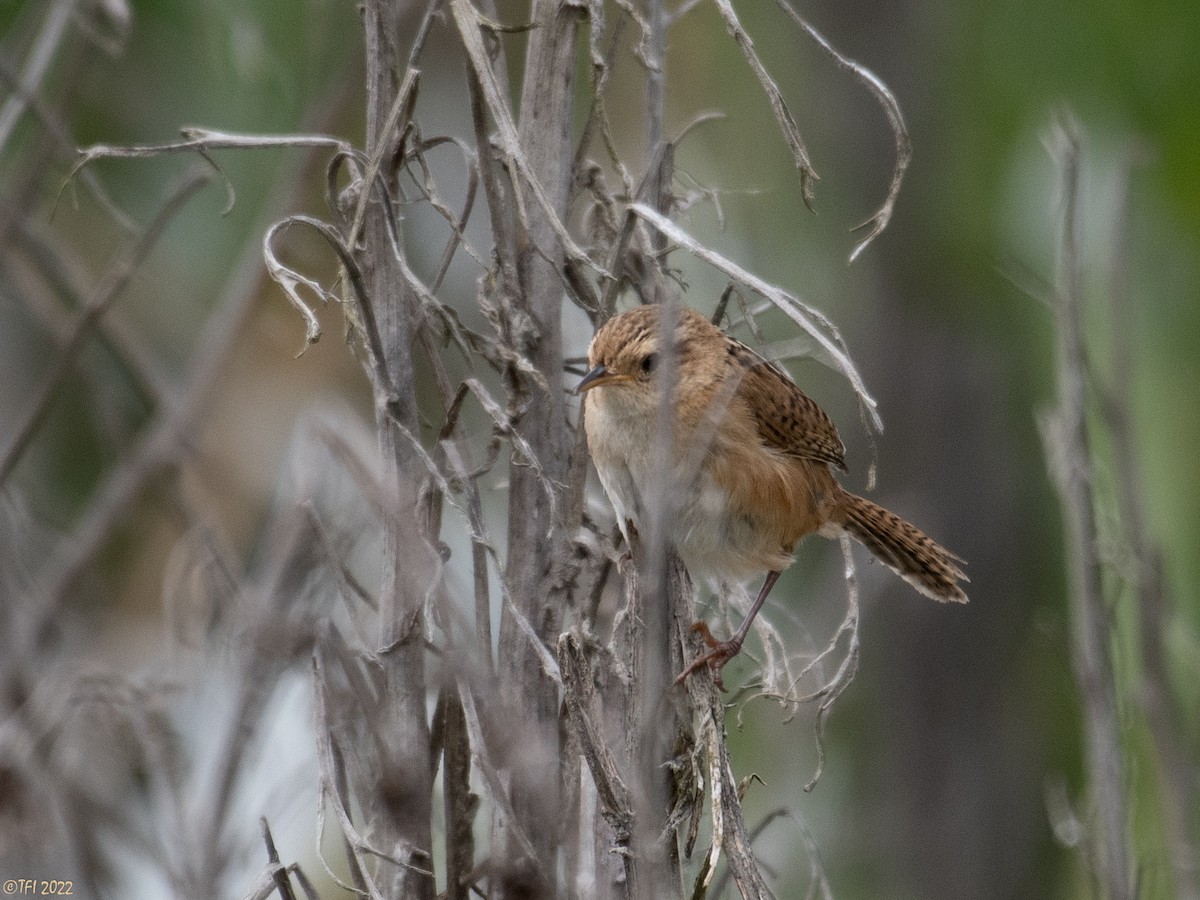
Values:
[(623, 435)]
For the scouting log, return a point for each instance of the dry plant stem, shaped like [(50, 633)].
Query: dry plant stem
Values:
[(602, 65), (1179, 788), (655, 45), (341, 792), (204, 140), (456, 453), (728, 818), (400, 111), (353, 752), (819, 886), (399, 814), (257, 676), (497, 791), (1069, 452), (478, 534), (651, 724), (46, 45), (523, 167), (611, 790), (459, 803), (579, 829), (538, 154), (97, 305), (482, 551), (501, 213), (333, 787), (728, 822), (310, 891), (190, 831), (279, 874)]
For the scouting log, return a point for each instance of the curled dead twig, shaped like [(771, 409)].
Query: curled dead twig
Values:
[(879, 221), (783, 115), (290, 281)]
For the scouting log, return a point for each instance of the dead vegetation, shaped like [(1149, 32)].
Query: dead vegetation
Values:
[(489, 671)]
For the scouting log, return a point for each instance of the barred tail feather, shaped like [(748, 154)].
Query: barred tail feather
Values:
[(906, 550)]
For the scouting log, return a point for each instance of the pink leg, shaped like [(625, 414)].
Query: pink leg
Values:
[(721, 652)]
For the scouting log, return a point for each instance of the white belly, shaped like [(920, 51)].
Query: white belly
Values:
[(708, 539)]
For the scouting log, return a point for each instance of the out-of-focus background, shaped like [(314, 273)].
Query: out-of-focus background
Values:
[(954, 762)]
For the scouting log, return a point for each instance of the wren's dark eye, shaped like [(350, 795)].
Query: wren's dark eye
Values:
[(649, 362)]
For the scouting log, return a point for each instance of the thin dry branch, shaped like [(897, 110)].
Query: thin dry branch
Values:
[(470, 24), (393, 130), (1069, 455), (579, 698), (1180, 791), (645, 651), (47, 44), (278, 872), (397, 809), (811, 320), (159, 446), (56, 265), (204, 140), (332, 789), (730, 835), (109, 289), (783, 115)]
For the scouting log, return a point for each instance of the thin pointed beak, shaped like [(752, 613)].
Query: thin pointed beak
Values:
[(598, 376)]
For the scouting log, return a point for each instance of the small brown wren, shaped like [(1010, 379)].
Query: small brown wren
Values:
[(752, 471)]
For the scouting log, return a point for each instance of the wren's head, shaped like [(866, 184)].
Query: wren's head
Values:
[(626, 351)]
